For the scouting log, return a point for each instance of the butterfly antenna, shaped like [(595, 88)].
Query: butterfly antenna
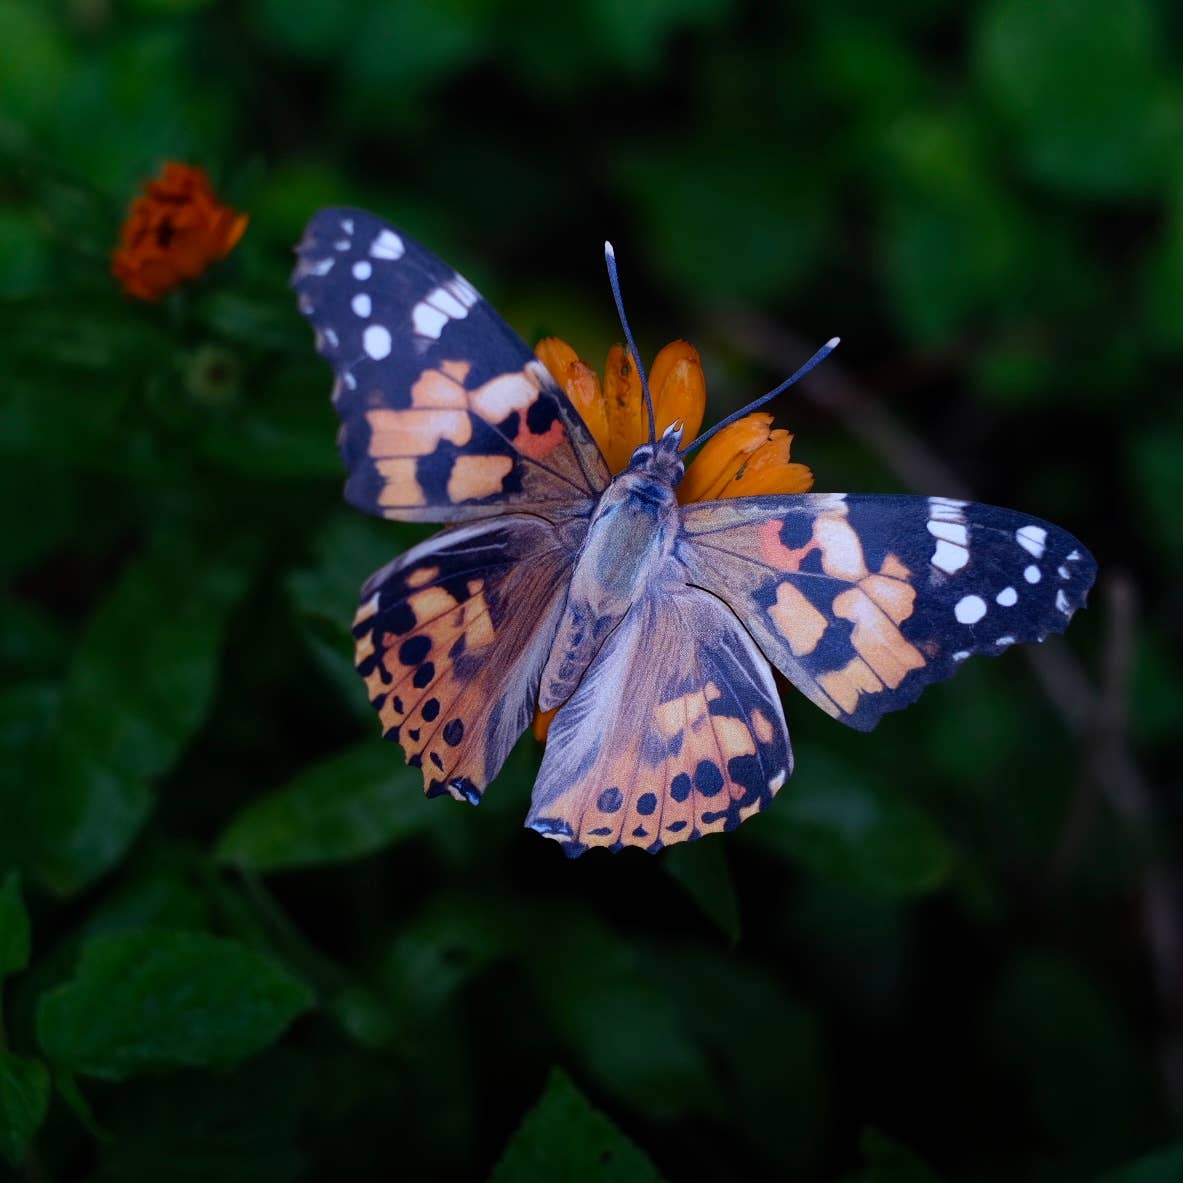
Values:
[(614, 280), (816, 360)]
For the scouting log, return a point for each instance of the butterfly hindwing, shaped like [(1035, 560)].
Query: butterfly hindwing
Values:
[(451, 640), (446, 415), (862, 601), (676, 730)]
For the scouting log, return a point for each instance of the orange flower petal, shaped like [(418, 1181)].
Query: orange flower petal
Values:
[(768, 470), (173, 232), (580, 383), (721, 457), (679, 389), (628, 422), (542, 722)]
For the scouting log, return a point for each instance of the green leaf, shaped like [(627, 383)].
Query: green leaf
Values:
[(702, 869), (155, 999), (325, 593), (14, 928), (1153, 462), (347, 806), (1075, 1060), (889, 1162), (1085, 92), (24, 1101), (443, 948), (758, 229), (841, 825), (627, 1031), (563, 1137), (142, 680), (1163, 1166), (34, 61)]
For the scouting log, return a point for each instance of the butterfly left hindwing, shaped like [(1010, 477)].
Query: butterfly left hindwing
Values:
[(862, 600), (451, 640)]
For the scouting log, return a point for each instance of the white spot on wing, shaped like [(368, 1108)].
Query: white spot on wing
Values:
[(317, 266), (376, 341), (1062, 602), (1032, 574), (961, 655), (1064, 571), (970, 609), (1004, 642), (347, 225), (1033, 539), (949, 558), (775, 782), (387, 245), (450, 301), (428, 321), (361, 304), (949, 531), (1073, 556), (362, 269), (1008, 597), (332, 338)]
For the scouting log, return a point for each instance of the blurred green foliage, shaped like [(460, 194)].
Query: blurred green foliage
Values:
[(235, 942)]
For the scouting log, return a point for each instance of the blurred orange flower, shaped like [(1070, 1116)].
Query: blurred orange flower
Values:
[(747, 458), (173, 232)]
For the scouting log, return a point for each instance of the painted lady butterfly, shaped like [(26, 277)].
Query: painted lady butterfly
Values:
[(651, 626)]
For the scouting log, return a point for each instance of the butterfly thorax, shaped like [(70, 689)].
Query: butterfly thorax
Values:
[(627, 553)]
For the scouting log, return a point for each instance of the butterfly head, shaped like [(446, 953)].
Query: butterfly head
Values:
[(660, 460)]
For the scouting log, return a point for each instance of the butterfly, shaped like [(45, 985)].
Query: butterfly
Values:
[(652, 627)]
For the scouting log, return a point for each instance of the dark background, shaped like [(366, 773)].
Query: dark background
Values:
[(952, 948)]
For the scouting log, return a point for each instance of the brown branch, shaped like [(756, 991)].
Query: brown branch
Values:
[(1097, 718)]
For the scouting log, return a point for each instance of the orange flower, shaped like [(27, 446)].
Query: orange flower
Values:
[(745, 459), (173, 232)]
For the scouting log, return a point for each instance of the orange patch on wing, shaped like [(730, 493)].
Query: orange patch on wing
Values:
[(762, 726), (774, 552), (536, 445), (478, 624), (797, 620), (436, 388), (421, 575), (876, 639), (430, 603), (894, 569), (477, 476), (402, 486), (892, 595), (845, 685), (734, 736), (685, 712), (458, 370), (417, 432)]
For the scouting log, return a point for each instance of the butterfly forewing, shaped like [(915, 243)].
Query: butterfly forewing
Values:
[(862, 601), (451, 640), (446, 415), (675, 731)]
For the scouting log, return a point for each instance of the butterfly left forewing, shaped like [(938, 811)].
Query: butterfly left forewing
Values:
[(675, 731), (451, 640), (861, 601), (446, 414)]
